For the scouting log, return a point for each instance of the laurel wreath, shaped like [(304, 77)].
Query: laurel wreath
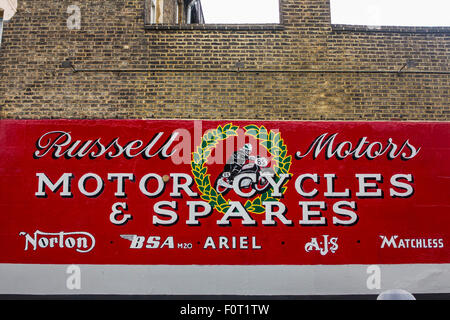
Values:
[(272, 141)]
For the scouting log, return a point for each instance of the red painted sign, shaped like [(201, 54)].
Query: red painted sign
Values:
[(224, 192)]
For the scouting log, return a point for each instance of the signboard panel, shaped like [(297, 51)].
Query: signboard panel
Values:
[(169, 192)]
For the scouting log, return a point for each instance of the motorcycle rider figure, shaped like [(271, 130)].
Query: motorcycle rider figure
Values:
[(236, 162), (242, 162)]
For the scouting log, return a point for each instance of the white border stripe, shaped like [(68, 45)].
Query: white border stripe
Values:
[(222, 280)]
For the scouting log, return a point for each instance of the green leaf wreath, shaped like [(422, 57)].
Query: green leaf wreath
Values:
[(272, 141)]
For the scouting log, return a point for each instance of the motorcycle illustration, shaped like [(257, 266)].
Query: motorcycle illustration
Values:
[(253, 165)]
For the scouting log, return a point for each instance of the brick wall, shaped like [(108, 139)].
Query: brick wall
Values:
[(292, 71)]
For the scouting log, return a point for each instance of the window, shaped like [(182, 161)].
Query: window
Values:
[(153, 11), (404, 13), (194, 12), (173, 12)]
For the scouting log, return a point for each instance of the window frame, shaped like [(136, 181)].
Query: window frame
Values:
[(152, 11)]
